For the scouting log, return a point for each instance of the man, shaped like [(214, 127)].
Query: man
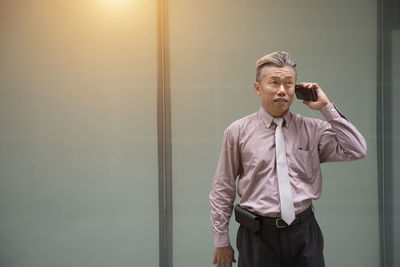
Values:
[(276, 156)]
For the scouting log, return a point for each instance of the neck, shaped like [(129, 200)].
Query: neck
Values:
[(274, 114)]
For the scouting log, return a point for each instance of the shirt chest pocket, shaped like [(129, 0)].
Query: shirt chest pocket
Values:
[(301, 163)]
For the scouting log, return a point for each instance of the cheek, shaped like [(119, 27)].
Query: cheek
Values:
[(290, 94), (268, 97)]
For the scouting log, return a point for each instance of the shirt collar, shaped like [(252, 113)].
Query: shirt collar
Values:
[(267, 118)]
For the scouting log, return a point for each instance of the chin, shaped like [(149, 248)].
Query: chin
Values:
[(282, 111)]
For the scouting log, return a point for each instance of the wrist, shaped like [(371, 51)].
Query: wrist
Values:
[(330, 112), (221, 240), (325, 104)]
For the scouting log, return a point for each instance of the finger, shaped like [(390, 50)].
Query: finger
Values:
[(215, 258), (226, 262), (316, 87), (306, 85)]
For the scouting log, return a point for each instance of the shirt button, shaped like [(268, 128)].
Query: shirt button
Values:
[(333, 109)]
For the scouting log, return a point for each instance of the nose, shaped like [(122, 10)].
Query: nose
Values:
[(281, 90)]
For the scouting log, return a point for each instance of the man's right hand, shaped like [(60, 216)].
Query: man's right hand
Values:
[(224, 257)]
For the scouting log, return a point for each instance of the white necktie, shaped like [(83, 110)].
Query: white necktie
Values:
[(285, 191)]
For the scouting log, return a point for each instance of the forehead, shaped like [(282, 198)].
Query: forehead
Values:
[(278, 72)]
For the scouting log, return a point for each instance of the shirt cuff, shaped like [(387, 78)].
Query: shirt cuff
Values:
[(330, 112), (221, 240)]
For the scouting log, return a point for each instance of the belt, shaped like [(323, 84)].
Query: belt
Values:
[(280, 223)]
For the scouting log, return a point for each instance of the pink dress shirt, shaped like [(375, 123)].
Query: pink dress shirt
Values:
[(248, 153)]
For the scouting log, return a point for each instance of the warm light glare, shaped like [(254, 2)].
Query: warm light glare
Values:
[(116, 9), (117, 2)]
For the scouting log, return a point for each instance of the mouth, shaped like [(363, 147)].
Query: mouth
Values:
[(280, 100)]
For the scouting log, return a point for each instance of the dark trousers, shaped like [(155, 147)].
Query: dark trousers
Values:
[(299, 245)]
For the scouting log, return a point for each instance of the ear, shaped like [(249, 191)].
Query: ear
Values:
[(257, 88)]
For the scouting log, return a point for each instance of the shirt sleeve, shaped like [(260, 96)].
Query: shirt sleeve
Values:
[(339, 139), (223, 191)]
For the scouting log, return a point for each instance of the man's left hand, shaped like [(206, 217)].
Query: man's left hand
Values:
[(322, 100)]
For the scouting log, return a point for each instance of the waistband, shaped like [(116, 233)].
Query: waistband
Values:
[(279, 223)]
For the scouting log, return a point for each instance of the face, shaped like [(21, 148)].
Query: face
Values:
[(276, 89)]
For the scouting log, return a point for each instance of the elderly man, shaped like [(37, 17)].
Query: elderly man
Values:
[(276, 156)]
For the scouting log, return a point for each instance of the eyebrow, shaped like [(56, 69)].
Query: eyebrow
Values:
[(278, 77)]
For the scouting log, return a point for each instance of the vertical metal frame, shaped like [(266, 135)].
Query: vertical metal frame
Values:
[(164, 138), (388, 20), (380, 134)]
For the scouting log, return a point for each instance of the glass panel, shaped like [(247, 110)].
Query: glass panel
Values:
[(214, 46), (395, 235), (78, 136)]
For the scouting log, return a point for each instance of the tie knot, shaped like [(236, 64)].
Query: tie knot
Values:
[(278, 121)]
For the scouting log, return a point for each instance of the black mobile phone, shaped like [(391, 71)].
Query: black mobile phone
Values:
[(305, 93)]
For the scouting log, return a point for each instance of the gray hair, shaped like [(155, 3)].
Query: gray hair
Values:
[(278, 59)]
